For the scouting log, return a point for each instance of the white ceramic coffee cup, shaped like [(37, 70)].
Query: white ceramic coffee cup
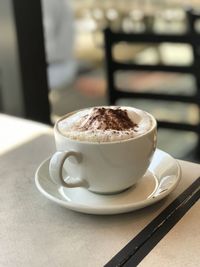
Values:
[(107, 167)]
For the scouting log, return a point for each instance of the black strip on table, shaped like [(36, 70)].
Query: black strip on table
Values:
[(147, 239)]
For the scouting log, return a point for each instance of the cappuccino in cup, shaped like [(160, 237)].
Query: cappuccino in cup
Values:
[(105, 124), (104, 149)]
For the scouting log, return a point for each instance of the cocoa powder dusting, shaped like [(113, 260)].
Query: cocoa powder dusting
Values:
[(107, 119)]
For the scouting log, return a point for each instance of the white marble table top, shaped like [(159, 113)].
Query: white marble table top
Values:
[(35, 232)]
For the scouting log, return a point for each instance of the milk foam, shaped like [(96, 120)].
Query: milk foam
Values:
[(71, 126)]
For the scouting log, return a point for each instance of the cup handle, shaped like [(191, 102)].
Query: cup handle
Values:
[(56, 167)]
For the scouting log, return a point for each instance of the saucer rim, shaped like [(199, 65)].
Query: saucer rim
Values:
[(109, 209)]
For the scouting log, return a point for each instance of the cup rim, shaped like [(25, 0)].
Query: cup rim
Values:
[(154, 125)]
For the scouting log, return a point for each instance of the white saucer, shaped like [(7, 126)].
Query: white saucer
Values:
[(161, 178)]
